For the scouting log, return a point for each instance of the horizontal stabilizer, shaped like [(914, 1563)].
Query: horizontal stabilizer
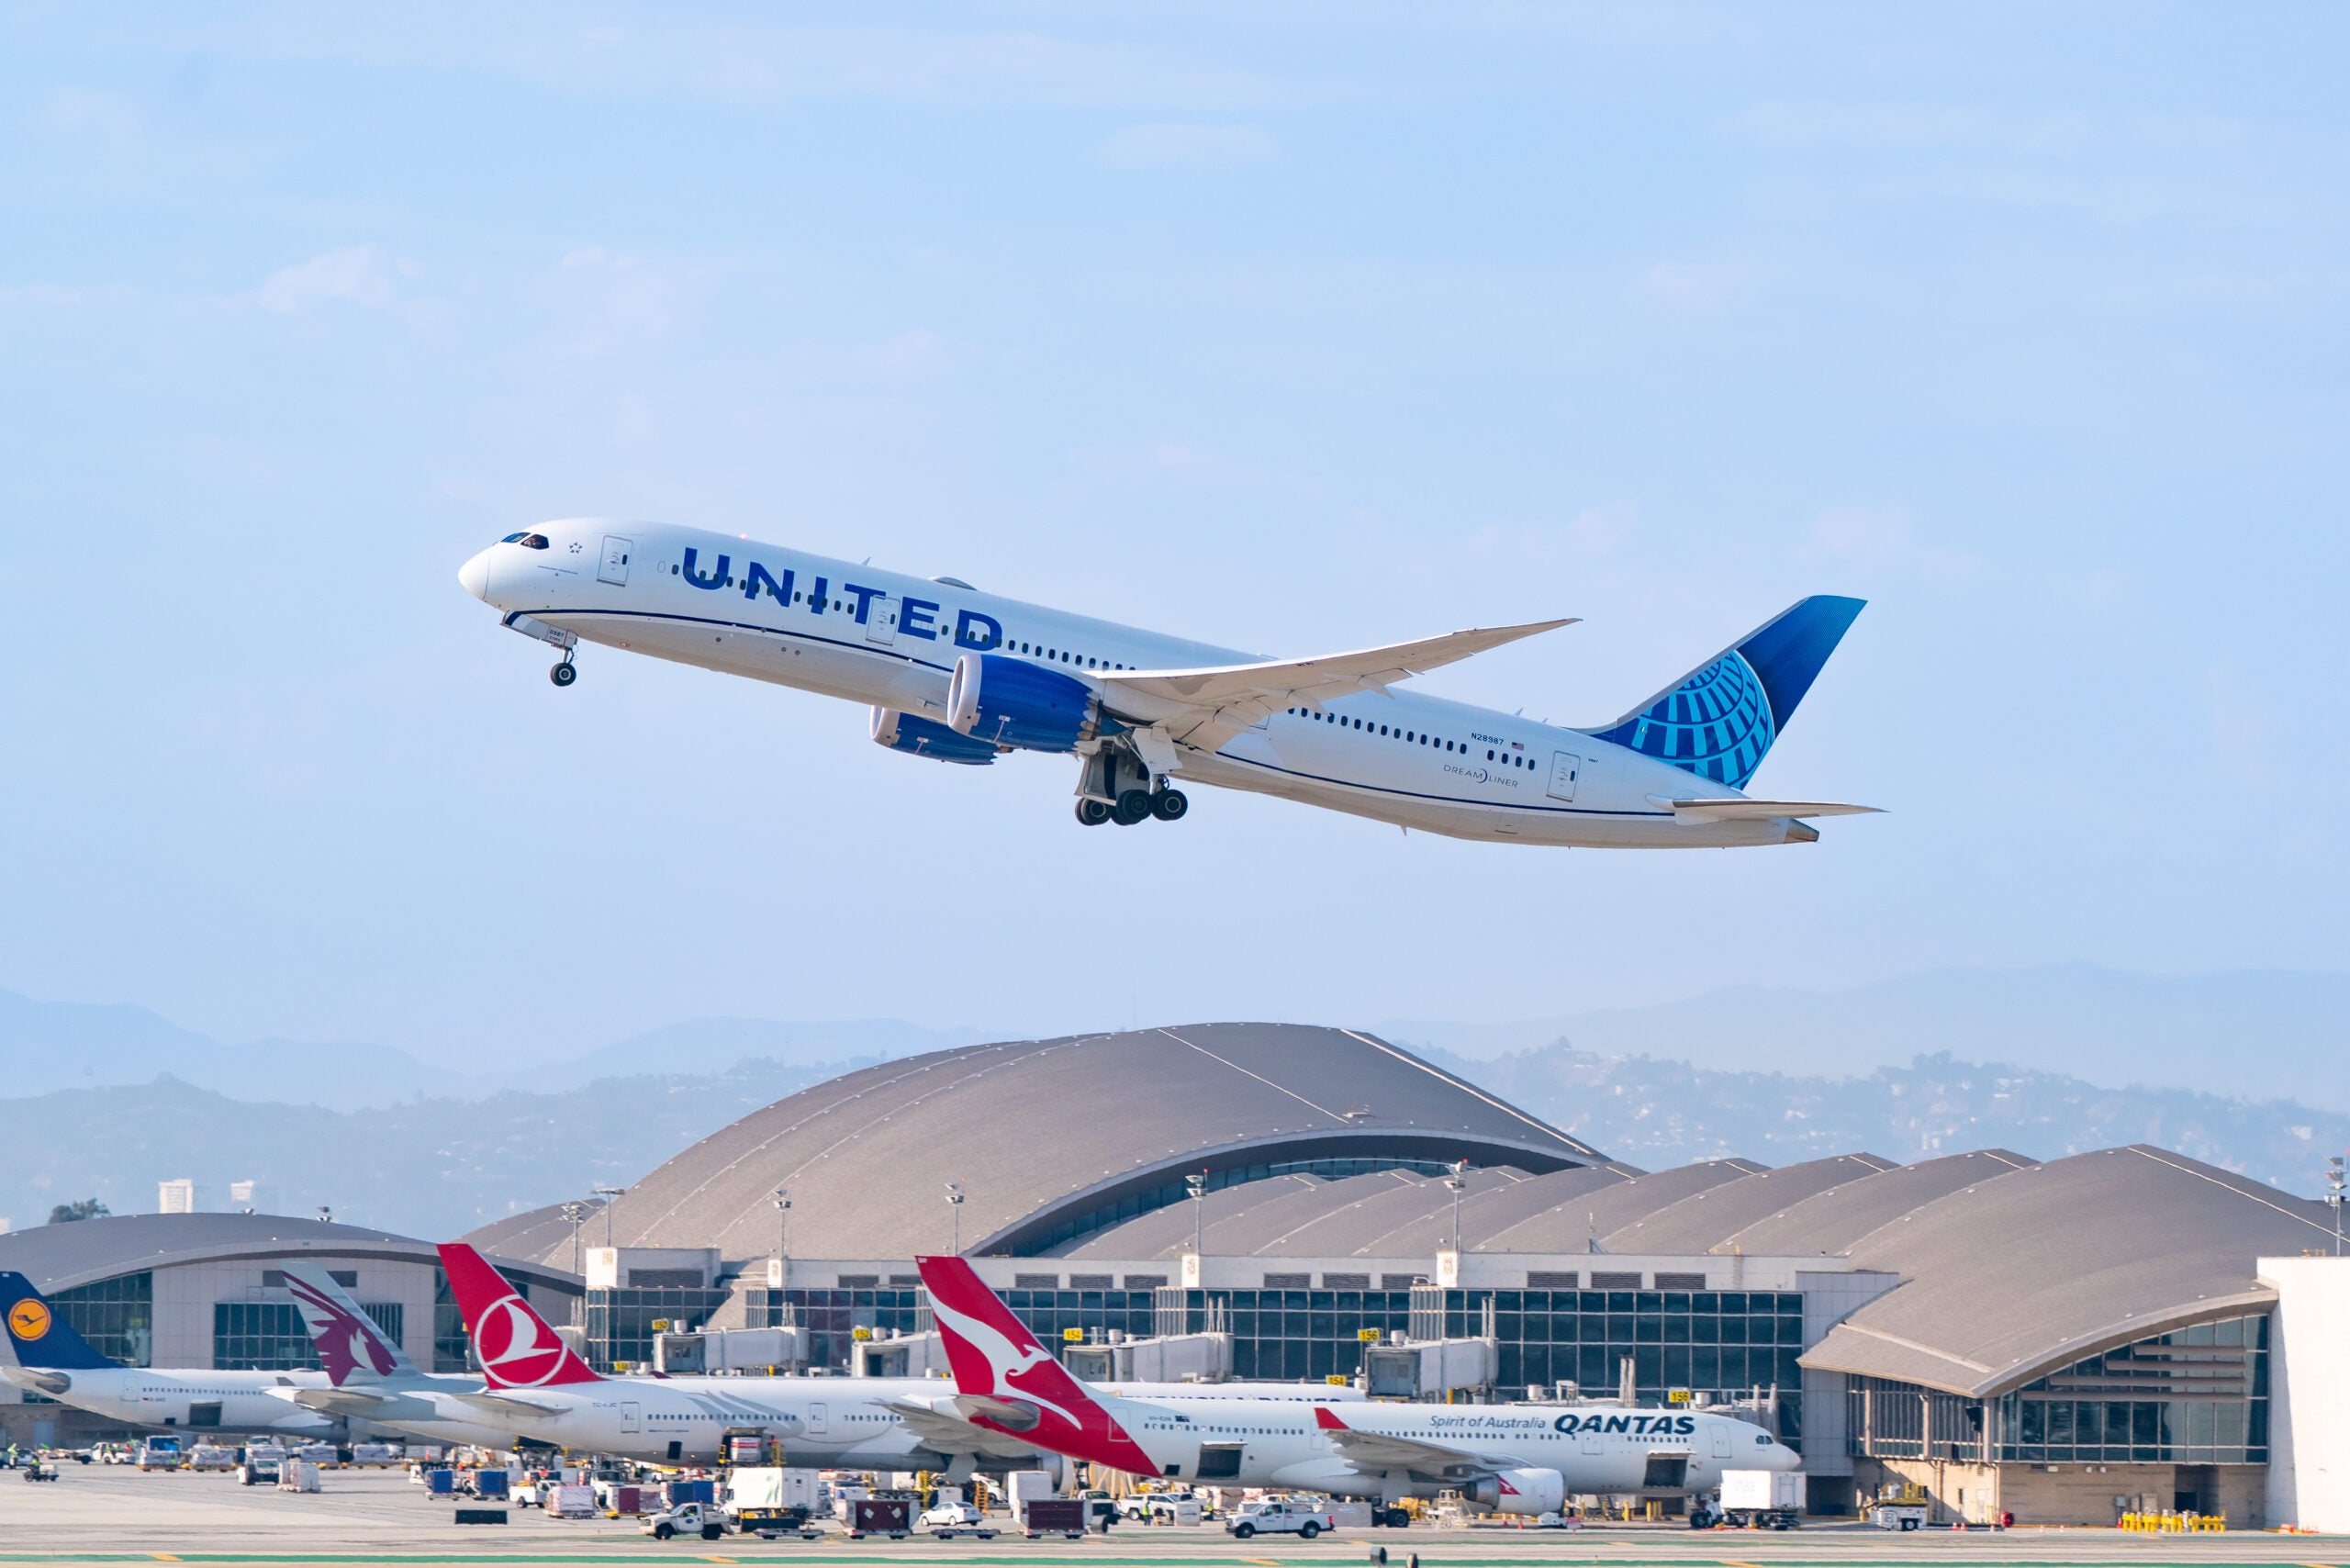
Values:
[(1208, 706), (1736, 809)]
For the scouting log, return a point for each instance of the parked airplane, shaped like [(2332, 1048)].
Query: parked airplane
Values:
[(540, 1386), (960, 676), (370, 1378), (51, 1359), (1513, 1459)]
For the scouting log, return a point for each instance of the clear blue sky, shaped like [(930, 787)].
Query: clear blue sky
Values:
[(1294, 332)]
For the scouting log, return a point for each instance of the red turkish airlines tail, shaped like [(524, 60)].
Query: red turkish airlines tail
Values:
[(516, 1347), (1012, 1384)]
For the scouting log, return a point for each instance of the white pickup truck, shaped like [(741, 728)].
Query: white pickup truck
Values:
[(686, 1518), (1304, 1518)]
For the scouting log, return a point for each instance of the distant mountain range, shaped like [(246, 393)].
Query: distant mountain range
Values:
[(2255, 1033), (2243, 1070)]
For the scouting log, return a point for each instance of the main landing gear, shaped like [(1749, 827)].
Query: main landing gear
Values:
[(1135, 806)]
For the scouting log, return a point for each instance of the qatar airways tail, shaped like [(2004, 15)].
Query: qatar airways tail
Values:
[(957, 675)]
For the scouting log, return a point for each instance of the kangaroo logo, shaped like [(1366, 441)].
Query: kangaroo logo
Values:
[(517, 1349), (28, 1319)]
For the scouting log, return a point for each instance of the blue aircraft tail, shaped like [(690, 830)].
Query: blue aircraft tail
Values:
[(1718, 721), (39, 1335)]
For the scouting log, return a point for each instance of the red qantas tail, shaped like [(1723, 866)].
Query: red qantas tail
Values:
[(516, 1347), (1011, 1385)]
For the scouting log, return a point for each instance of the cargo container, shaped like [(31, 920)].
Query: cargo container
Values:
[(891, 1517), (568, 1500), (492, 1482), (160, 1453), (771, 1495), (441, 1482), (298, 1475), (1051, 1515), (677, 1493)]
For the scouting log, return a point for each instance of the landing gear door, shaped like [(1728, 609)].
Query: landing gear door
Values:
[(615, 567), (1564, 766), (881, 620)]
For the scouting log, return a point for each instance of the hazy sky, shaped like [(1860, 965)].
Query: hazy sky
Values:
[(1295, 329)]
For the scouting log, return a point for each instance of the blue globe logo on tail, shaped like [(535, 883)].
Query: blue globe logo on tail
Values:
[(1716, 723)]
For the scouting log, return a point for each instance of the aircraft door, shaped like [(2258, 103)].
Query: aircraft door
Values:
[(817, 1417), (615, 567), (1564, 766), (629, 1413), (881, 620), (1721, 1439)]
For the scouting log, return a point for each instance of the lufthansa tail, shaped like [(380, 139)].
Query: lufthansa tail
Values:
[(42, 1340), (1718, 721)]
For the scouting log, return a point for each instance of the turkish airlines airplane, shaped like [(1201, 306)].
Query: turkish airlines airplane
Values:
[(536, 1384), (51, 1359), (1513, 1459), (959, 675)]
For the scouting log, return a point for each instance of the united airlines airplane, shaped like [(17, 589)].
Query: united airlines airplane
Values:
[(959, 675)]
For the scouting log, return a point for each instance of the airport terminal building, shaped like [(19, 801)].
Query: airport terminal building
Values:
[(2061, 1339)]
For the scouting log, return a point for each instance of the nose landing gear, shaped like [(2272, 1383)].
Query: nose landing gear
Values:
[(565, 672)]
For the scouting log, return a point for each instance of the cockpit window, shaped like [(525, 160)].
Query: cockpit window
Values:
[(526, 540)]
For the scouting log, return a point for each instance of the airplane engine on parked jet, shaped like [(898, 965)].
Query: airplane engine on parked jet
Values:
[(926, 738), (1009, 702), (1519, 1492)]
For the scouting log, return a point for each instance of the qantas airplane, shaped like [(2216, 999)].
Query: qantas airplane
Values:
[(959, 675), (541, 1389), (51, 1359), (1512, 1458)]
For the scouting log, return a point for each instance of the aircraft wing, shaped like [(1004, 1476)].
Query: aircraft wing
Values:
[(506, 1402), (1376, 1452), (939, 1425), (1736, 809), (1204, 708)]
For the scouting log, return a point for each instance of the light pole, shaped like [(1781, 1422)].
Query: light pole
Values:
[(783, 1220), (955, 1207), (326, 1215), (608, 1194), (1457, 1178), (576, 1213), (2333, 1182), (1199, 1186)]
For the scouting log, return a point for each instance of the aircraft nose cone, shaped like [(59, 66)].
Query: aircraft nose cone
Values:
[(475, 575)]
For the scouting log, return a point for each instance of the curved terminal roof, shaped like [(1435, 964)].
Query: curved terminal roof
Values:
[(1704, 1219), (2034, 1269), (1574, 1222), (1052, 1140), (81, 1252), (1831, 1221)]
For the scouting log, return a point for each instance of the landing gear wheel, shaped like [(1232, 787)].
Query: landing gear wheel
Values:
[(1133, 806), (1168, 805), (1092, 812), (563, 674)]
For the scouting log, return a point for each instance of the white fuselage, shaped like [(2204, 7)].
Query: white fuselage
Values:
[(1597, 1450), (833, 1422), (892, 641), (186, 1398)]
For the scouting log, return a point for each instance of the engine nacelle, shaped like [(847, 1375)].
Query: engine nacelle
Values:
[(925, 737), (1010, 702), (1519, 1492)]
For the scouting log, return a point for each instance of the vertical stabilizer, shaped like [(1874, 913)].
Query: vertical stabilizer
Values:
[(351, 1347), (39, 1337), (1718, 721), (516, 1346)]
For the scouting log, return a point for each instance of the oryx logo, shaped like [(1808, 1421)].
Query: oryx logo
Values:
[(517, 1349), (346, 1343), (28, 1319)]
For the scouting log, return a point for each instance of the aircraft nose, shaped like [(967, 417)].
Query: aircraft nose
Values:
[(474, 576)]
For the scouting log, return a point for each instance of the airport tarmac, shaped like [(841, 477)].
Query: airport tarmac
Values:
[(107, 1514)]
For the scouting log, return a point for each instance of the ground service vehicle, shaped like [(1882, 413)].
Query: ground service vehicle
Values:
[(160, 1453), (1898, 1507), (769, 1500), (1766, 1499), (35, 1471), (1041, 1517), (1301, 1516), (262, 1466), (948, 1520), (702, 1519)]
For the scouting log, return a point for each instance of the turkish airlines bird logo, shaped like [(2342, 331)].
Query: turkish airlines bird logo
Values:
[(517, 1349)]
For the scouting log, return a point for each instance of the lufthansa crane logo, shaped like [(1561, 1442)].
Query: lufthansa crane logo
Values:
[(28, 1319), (515, 1347)]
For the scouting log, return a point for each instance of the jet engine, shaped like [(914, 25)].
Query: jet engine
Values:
[(926, 738), (1010, 702), (1519, 1492)]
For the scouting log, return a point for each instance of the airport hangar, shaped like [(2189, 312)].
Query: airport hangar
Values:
[(2060, 1339)]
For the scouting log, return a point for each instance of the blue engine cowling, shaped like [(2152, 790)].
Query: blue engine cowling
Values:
[(1010, 702), (925, 737)]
